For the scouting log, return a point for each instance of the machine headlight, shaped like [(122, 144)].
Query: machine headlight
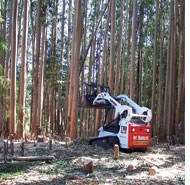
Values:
[(133, 129), (148, 130)]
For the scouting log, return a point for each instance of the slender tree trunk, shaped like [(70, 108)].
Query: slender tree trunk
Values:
[(159, 110), (74, 73), (171, 61), (118, 63), (132, 75), (67, 105), (34, 123), (124, 55), (3, 100), (167, 97), (53, 122), (12, 124), (82, 110), (154, 71), (101, 73), (59, 120), (9, 51), (180, 108), (140, 51), (22, 96), (41, 76), (20, 15), (129, 44), (112, 46), (3, 30), (145, 79)]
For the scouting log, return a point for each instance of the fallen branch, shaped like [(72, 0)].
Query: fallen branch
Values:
[(31, 158), (34, 158)]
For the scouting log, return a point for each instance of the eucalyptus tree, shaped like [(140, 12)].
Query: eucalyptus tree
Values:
[(34, 107), (22, 95), (12, 123)]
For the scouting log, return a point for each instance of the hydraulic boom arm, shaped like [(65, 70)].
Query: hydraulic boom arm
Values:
[(139, 110), (119, 109)]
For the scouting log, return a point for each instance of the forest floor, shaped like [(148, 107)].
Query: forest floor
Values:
[(68, 165)]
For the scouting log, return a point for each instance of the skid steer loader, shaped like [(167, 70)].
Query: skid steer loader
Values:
[(125, 122)]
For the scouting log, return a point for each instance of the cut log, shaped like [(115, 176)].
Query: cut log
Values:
[(116, 152), (88, 166), (40, 139), (33, 158), (5, 152), (152, 171), (130, 167), (155, 140), (11, 148), (22, 148), (50, 144)]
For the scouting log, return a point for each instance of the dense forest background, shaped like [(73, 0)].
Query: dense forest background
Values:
[(49, 48)]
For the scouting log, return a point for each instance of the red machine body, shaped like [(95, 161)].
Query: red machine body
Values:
[(139, 135)]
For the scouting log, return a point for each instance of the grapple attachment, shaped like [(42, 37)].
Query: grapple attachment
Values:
[(90, 93)]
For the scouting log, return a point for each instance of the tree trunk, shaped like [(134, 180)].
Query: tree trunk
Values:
[(118, 63), (102, 71), (41, 76), (22, 96), (154, 71), (132, 75), (59, 120), (74, 70), (20, 15), (3, 30), (124, 60), (67, 105), (12, 129), (180, 108), (127, 76), (53, 122), (35, 71), (170, 79), (9, 49), (140, 53), (112, 46), (159, 110)]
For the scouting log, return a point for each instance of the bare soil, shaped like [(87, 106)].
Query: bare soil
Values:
[(168, 164)]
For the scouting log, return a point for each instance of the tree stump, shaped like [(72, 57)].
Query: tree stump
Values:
[(155, 140), (168, 143), (5, 152), (67, 140), (88, 166), (22, 148), (50, 143), (152, 171), (11, 137), (40, 139), (116, 152), (130, 167), (11, 148)]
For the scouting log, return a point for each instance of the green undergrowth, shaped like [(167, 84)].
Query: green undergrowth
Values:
[(13, 169), (58, 167)]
